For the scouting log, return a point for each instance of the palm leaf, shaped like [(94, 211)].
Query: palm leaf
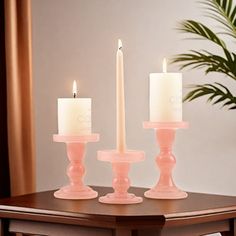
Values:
[(209, 61), (199, 29), (217, 93), (224, 12)]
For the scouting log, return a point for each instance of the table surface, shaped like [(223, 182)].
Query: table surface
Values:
[(198, 207)]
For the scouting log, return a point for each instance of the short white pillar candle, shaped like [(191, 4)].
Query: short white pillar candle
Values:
[(74, 115), (165, 96)]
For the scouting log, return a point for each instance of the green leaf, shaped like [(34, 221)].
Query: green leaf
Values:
[(215, 93), (199, 29), (224, 12), (221, 99), (227, 103), (209, 61)]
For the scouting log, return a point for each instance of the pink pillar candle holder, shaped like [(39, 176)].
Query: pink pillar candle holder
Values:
[(121, 183), (76, 170), (165, 135)]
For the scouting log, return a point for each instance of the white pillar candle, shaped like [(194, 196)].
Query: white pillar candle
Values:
[(165, 96), (74, 115), (120, 100)]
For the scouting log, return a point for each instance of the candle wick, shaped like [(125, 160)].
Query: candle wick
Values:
[(119, 44)]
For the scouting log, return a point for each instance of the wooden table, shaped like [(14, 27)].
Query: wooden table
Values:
[(42, 214)]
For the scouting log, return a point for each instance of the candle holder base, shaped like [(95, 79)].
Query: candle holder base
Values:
[(165, 193), (75, 192), (128, 198), (76, 170), (121, 183), (165, 134)]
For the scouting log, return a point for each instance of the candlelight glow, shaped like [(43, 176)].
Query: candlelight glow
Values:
[(74, 88), (164, 65), (119, 44)]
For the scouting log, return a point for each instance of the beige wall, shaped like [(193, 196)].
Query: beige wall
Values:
[(78, 39)]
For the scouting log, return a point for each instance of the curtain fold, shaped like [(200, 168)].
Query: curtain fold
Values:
[(21, 141), (4, 164)]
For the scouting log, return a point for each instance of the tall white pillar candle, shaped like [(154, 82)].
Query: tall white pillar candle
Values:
[(120, 101), (165, 96), (74, 115)]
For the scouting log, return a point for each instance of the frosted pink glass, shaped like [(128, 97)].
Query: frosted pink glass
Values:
[(76, 138), (165, 125), (165, 135), (76, 170), (121, 182)]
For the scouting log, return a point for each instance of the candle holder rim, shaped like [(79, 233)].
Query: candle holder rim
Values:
[(165, 125), (93, 137), (114, 156)]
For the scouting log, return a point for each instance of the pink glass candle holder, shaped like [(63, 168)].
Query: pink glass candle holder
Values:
[(76, 170), (165, 135), (121, 183)]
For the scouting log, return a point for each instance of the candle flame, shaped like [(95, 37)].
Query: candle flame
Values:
[(74, 89), (164, 65), (119, 44)]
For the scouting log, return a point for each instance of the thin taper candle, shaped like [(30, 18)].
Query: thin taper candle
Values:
[(120, 101)]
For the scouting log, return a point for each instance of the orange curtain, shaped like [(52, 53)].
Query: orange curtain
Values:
[(21, 141), (4, 164)]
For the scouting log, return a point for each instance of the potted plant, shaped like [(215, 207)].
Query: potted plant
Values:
[(223, 12)]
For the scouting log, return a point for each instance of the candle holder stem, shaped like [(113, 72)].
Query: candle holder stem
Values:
[(76, 146), (165, 136), (121, 183), (166, 160), (121, 180), (76, 169)]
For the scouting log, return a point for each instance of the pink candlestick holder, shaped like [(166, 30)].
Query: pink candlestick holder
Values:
[(121, 183), (165, 135), (76, 170)]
